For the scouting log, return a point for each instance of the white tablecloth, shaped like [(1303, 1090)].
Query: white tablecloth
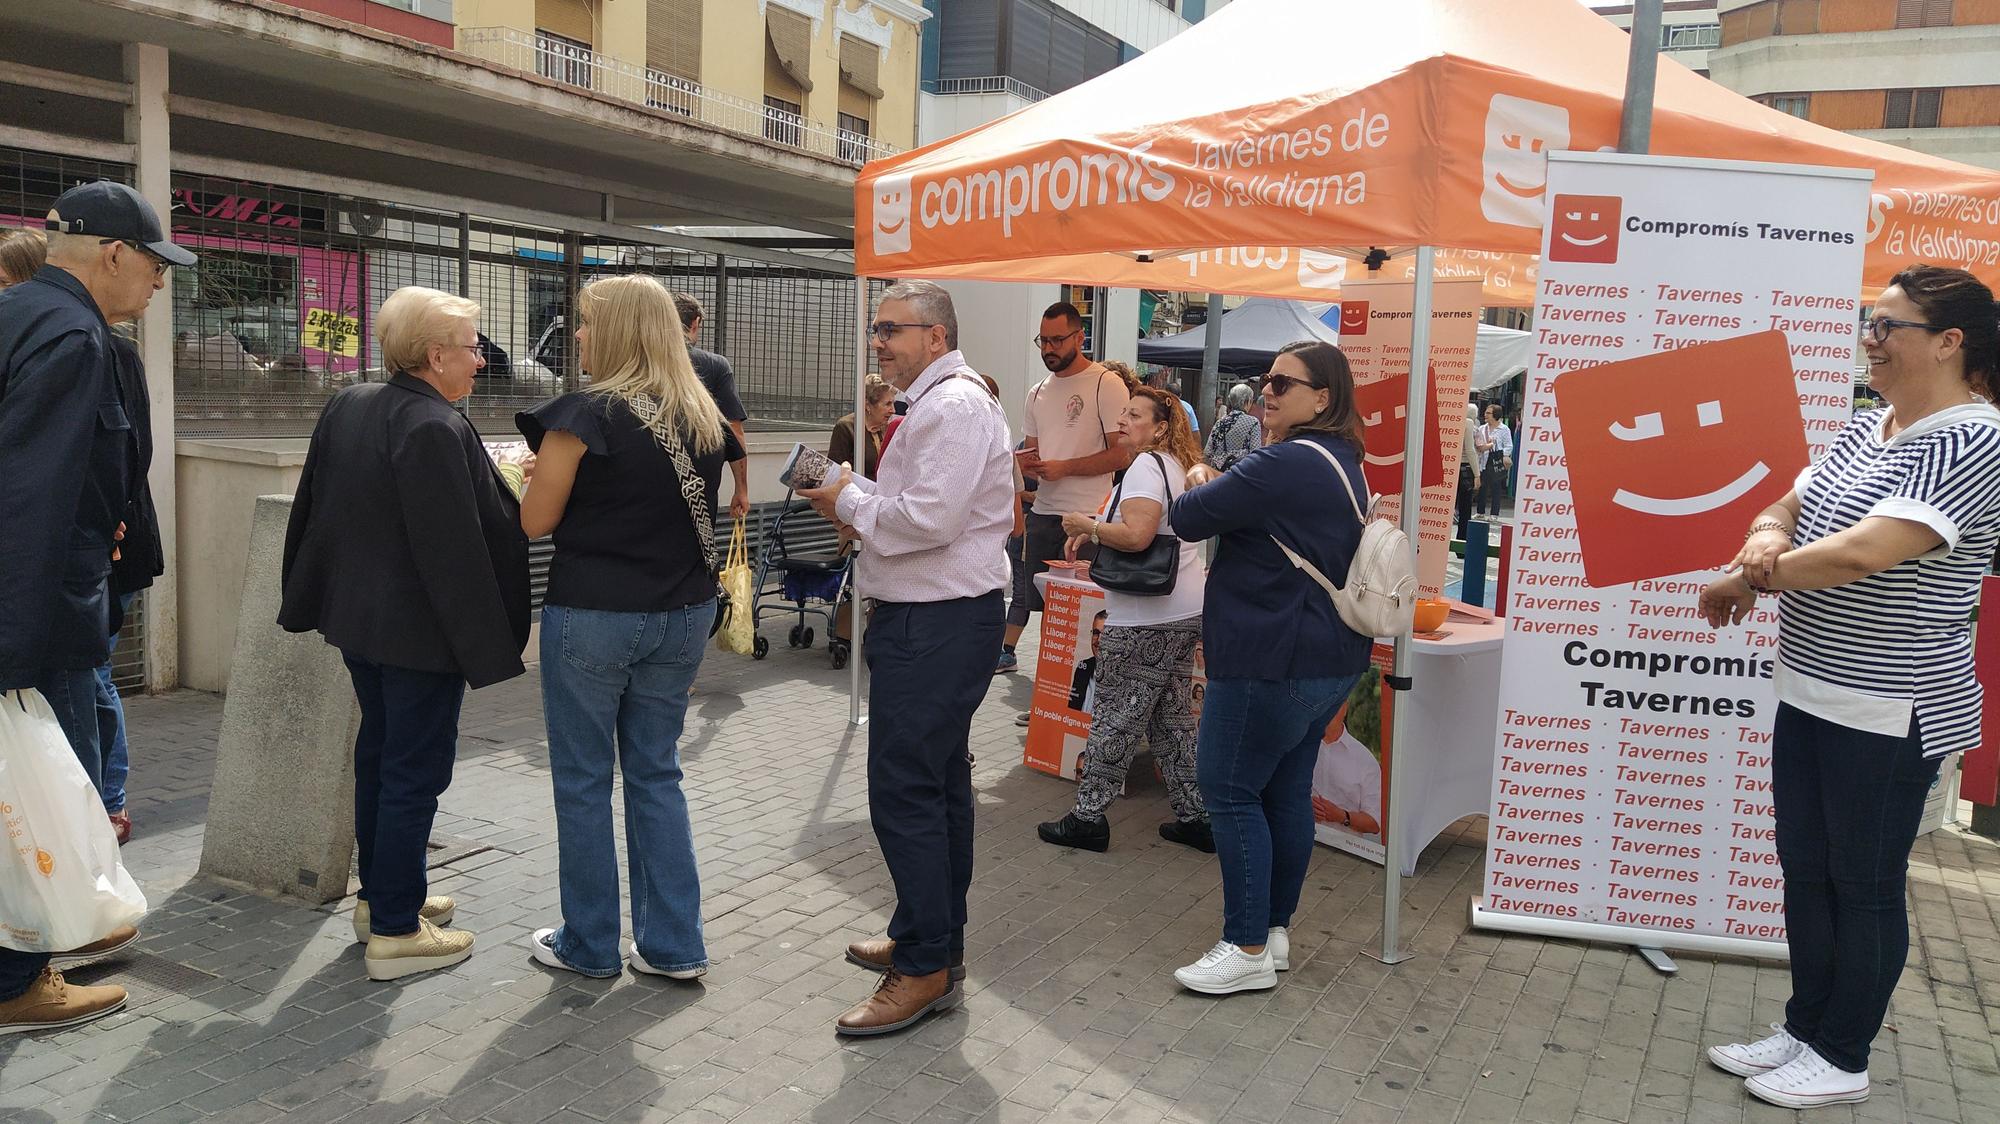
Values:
[(1448, 731)]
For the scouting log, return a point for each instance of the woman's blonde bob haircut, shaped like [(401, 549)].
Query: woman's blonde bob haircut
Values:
[(415, 319), (638, 355)]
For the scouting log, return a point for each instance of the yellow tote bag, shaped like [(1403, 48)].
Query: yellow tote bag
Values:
[(739, 628)]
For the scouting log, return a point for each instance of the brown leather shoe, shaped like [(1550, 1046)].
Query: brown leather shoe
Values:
[(121, 826), (899, 1002), (876, 954), (113, 943), (51, 1003)]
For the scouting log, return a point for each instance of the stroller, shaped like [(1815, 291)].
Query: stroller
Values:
[(806, 581)]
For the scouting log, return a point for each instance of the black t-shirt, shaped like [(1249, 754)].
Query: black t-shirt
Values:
[(627, 542), (720, 379)]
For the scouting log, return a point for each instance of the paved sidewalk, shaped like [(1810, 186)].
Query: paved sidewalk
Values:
[(247, 1009)]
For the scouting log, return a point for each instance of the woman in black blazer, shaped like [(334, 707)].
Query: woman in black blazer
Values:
[(405, 551)]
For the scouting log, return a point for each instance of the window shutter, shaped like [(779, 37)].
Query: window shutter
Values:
[(969, 31), (1925, 115), (1937, 13), (673, 37), (1910, 13), (568, 18), (1068, 54), (1029, 27), (1896, 111), (860, 65), (791, 37)]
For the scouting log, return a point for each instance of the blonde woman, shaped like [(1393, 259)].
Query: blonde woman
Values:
[(626, 478), (23, 253), (405, 551)]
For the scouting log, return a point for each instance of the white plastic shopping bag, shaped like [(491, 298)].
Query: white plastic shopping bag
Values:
[(62, 885)]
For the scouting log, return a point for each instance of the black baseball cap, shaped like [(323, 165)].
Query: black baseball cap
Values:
[(112, 210)]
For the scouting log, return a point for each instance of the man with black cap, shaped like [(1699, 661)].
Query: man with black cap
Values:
[(69, 463)]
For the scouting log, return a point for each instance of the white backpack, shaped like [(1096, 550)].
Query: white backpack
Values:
[(1380, 598)]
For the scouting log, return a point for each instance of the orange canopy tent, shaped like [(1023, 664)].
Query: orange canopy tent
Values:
[(1220, 160), (1267, 148)]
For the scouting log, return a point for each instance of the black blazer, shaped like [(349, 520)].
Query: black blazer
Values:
[(405, 546)]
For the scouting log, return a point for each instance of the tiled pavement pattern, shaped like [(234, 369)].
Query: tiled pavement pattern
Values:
[(246, 1009)]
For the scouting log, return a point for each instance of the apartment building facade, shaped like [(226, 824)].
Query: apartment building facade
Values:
[(1923, 74), (1689, 29)]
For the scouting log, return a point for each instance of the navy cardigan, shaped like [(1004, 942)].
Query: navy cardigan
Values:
[(1264, 618)]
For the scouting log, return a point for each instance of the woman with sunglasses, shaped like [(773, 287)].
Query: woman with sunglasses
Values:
[(1280, 660), (1878, 550)]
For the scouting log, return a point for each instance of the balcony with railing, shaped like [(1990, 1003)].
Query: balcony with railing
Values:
[(1691, 37), (990, 84), (574, 64)]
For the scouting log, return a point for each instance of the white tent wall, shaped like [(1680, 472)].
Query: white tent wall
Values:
[(996, 319)]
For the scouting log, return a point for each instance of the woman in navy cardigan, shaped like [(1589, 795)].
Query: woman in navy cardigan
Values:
[(1280, 660)]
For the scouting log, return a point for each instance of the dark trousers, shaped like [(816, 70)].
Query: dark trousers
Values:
[(1492, 486), (18, 971), (1847, 805), (1468, 486), (1043, 540), (72, 695), (929, 665), (402, 764)]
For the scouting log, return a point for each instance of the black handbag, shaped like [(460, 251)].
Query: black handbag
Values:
[(1149, 572)]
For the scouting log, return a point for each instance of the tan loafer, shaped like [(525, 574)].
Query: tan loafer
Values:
[(437, 909), (876, 954), (51, 1003), (426, 950), (113, 943), (899, 1002)]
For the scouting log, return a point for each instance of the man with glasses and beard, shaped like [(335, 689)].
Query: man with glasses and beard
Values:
[(1072, 449), (933, 526)]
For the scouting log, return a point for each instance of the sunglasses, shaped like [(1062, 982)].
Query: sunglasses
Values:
[(1879, 328), (160, 264), (1277, 386)]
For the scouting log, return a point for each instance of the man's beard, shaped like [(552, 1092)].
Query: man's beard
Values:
[(1056, 361)]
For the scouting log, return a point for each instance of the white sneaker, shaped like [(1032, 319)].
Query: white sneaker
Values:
[(1748, 1059), (542, 946), (639, 964), (1226, 969), (1279, 944), (1809, 1081)]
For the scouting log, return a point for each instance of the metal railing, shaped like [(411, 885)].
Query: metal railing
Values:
[(991, 84), (656, 89)]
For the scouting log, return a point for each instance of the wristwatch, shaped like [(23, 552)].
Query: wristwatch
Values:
[(1093, 532)]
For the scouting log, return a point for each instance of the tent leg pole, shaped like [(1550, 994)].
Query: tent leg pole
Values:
[(1416, 422), (1211, 355), (854, 715)]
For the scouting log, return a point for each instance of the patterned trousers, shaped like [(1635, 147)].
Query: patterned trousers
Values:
[(1144, 680)]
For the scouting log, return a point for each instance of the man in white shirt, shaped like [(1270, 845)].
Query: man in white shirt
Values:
[(1468, 467), (933, 529), (1072, 448), (1499, 441)]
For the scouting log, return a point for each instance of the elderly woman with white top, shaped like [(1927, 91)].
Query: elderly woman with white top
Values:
[(1878, 551), (1144, 676)]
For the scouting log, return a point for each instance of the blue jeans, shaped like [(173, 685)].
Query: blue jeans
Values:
[(72, 694), (403, 756), (1254, 760), (18, 971), (111, 726), (615, 688), (1847, 805)]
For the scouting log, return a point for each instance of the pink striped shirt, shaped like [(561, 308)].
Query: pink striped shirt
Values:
[(934, 524)]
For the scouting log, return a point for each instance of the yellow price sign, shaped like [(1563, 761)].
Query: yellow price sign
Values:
[(332, 333)]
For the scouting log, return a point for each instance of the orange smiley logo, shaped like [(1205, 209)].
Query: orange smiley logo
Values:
[(1670, 455), (1585, 228), (1384, 406), (1353, 318), (45, 862)]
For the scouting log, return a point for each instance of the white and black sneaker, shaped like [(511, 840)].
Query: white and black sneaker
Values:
[(641, 964), (1748, 1059), (1809, 1081), (1226, 969)]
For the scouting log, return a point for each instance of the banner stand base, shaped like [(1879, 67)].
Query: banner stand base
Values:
[(857, 723), (1658, 958), (1390, 958), (1643, 939)]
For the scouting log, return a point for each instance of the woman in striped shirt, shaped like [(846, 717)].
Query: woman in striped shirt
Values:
[(1878, 550)]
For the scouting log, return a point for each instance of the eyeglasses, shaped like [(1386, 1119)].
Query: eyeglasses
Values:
[(1879, 328), (1047, 342), (1277, 386), (160, 264), (883, 329)]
